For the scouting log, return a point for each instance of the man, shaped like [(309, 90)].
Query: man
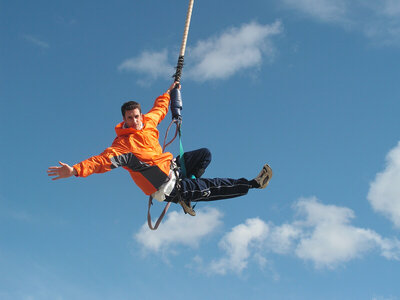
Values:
[(137, 149)]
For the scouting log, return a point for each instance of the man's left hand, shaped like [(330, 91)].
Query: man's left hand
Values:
[(176, 84)]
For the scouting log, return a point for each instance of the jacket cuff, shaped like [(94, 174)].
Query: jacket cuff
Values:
[(78, 169)]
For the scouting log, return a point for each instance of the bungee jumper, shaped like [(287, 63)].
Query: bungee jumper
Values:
[(137, 149), (157, 173)]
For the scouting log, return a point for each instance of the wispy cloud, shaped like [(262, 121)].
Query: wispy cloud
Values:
[(325, 10), (384, 193), (36, 41), (391, 7), (22, 216), (378, 20), (179, 229), (15, 214), (23, 278), (218, 57)]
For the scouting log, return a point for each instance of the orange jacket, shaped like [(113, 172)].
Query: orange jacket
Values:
[(137, 151)]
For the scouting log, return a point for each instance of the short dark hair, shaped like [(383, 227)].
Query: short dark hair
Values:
[(129, 106)]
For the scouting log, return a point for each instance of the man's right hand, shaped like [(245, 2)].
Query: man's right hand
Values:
[(64, 171)]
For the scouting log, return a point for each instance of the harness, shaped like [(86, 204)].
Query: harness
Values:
[(176, 107)]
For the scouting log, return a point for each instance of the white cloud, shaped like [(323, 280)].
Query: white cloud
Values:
[(238, 245), (151, 64), (328, 239), (234, 50), (179, 229), (378, 20), (36, 41), (322, 234), (384, 192)]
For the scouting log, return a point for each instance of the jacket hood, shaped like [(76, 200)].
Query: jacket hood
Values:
[(120, 130)]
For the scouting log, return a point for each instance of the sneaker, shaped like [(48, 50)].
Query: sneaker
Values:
[(264, 177), (187, 208)]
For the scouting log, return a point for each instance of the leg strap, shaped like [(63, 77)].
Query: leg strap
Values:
[(159, 218)]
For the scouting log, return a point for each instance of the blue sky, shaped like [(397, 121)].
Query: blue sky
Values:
[(309, 86)]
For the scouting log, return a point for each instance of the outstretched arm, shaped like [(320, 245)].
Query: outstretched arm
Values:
[(64, 171), (96, 164)]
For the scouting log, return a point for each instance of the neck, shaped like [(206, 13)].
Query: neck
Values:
[(126, 126)]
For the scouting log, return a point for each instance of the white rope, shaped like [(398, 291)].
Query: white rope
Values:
[(186, 31)]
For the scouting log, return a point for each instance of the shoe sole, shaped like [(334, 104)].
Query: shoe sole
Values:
[(267, 169), (187, 209)]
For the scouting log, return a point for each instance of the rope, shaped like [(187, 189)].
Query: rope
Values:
[(179, 66), (186, 31)]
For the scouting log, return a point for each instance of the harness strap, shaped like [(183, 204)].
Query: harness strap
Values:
[(159, 218)]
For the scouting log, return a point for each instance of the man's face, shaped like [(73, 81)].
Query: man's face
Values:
[(133, 118)]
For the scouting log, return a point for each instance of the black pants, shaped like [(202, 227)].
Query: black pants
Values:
[(206, 189), (196, 162)]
